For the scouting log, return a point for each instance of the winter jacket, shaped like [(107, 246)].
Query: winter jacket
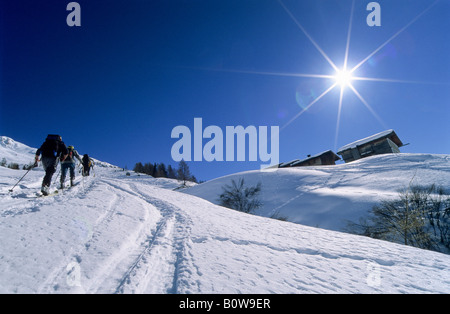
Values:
[(71, 157)]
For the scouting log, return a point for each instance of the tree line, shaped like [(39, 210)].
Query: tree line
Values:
[(160, 170)]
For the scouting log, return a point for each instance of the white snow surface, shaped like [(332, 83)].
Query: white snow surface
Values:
[(330, 196), (114, 233)]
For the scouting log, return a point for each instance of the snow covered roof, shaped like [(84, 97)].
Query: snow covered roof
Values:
[(287, 164), (315, 156), (385, 134)]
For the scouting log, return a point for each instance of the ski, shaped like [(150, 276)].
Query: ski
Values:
[(40, 194), (56, 192), (69, 186)]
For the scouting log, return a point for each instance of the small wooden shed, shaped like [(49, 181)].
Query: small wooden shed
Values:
[(386, 142)]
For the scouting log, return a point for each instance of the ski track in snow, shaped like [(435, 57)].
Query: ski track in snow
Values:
[(153, 258), (161, 256), (147, 260)]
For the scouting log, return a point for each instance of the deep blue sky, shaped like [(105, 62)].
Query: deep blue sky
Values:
[(116, 86)]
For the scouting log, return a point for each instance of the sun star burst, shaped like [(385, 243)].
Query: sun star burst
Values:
[(343, 78)]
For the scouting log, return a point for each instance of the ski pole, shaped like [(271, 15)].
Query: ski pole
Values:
[(31, 167), (82, 180), (59, 171)]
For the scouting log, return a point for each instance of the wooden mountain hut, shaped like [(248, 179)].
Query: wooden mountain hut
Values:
[(386, 142), (322, 159)]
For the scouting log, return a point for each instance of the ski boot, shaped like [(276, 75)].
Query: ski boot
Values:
[(44, 190)]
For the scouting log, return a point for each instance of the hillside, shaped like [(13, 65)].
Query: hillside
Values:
[(330, 196), (114, 233), (15, 152)]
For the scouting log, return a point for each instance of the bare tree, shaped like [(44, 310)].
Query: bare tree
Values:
[(400, 220), (238, 196), (419, 217), (183, 172)]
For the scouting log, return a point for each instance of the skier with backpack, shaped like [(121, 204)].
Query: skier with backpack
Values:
[(87, 163), (69, 164), (52, 149)]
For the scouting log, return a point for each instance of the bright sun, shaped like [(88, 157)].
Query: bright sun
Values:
[(343, 78)]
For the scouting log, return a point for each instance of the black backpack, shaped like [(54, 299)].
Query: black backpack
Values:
[(52, 146), (53, 137), (85, 159)]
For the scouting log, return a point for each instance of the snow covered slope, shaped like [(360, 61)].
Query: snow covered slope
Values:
[(114, 233), (15, 152), (330, 196)]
